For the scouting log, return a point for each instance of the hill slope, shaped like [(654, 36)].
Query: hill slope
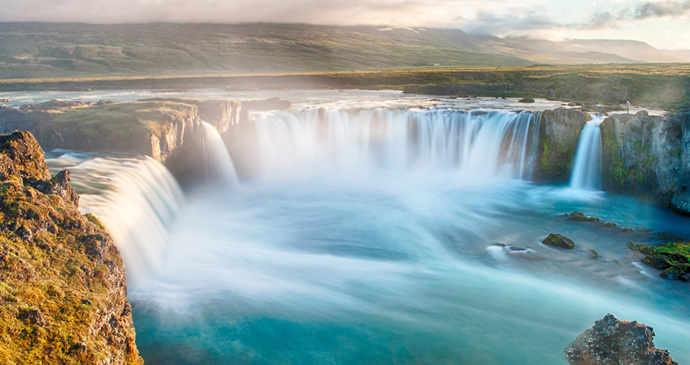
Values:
[(73, 50)]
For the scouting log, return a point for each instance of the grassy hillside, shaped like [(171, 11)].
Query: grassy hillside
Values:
[(54, 50), (39, 50)]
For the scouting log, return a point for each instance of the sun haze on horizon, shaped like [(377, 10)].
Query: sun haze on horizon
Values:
[(662, 24)]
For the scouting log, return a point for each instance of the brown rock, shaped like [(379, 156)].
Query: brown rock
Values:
[(611, 341)]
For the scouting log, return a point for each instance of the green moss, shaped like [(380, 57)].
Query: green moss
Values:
[(45, 277), (92, 218), (673, 258)]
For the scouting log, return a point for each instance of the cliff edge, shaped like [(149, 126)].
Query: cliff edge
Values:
[(63, 291)]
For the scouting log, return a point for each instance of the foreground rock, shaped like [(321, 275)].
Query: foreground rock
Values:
[(672, 258), (611, 341), (62, 280), (557, 240)]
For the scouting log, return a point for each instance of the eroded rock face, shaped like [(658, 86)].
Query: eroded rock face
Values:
[(154, 127), (611, 341), (64, 292), (559, 135), (642, 154)]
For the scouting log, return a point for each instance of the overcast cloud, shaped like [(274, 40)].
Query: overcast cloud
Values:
[(539, 18)]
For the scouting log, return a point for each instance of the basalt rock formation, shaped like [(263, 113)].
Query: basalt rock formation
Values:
[(611, 341), (63, 293)]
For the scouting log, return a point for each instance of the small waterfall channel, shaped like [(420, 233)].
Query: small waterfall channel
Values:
[(586, 173)]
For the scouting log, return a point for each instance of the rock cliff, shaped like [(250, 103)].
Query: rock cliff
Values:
[(154, 127), (63, 291), (649, 156), (559, 132), (611, 341)]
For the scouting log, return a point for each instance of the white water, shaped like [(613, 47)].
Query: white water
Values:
[(478, 144), (136, 199), (219, 166), (586, 173), (367, 239)]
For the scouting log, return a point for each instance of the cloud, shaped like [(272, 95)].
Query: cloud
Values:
[(499, 24), (663, 9), (342, 12)]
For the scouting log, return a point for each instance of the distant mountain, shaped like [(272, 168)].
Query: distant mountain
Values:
[(544, 51), (634, 50), (73, 50), (682, 54)]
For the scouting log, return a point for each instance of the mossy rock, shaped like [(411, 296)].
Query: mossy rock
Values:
[(673, 258), (62, 280), (558, 240), (581, 217)]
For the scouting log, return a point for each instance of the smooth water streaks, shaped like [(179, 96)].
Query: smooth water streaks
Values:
[(479, 144), (136, 198), (217, 161), (586, 173)]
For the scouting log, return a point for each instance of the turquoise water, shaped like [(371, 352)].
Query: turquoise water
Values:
[(391, 270), (351, 245)]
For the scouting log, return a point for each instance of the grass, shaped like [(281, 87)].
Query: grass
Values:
[(665, 86)]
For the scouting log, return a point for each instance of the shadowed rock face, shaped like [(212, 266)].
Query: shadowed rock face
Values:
[(62, 281), (560, 131), (611, 341)]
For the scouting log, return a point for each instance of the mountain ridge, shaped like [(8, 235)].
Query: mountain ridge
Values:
[(34, 50)]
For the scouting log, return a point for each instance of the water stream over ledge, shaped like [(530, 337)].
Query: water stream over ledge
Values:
[(586, 174), (367, 238)]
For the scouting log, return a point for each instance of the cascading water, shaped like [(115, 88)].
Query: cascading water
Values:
[(478, 144), (397, 266), (586, 174), (136, 199), (219, 166)]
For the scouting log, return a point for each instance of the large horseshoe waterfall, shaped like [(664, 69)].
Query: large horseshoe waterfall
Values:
[(477, 144), (373, 234)]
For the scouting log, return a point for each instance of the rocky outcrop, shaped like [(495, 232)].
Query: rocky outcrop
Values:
[(222, 114), (673, 258), (646, 155), (154, 127), (643, 155), (559, 132), (558, 240), (275, 103), (611, 341), (62, 281)]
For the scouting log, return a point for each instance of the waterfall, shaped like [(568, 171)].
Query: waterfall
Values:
[(477, 143), (136, 198), (586, 174), (218, 164)]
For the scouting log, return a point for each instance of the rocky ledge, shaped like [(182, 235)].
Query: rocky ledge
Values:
[(611, 341), (63, 291), (673, 258), (153, 127)]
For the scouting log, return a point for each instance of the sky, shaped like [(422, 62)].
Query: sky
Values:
[(662, 23)]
